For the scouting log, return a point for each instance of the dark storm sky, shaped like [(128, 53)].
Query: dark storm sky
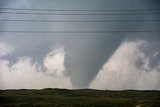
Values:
[(85, 53)]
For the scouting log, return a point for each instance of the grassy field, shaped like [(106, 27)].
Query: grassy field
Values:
[(78, 98)]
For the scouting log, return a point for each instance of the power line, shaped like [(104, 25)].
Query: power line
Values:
[(31, 9), (13, 31), (77, 13), (14, 20)]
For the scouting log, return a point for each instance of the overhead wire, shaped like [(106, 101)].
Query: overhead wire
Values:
[(34, 9), (78, 12), (20, 20)]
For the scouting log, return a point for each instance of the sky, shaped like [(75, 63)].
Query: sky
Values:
[(111, 60)]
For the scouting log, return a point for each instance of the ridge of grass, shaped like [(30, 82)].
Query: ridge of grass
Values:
[(49, 97)]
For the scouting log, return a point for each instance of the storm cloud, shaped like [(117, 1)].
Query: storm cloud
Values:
[(80, 60), (25, 74), (129, 68)]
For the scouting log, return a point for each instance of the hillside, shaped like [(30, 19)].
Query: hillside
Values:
[(78, 98)]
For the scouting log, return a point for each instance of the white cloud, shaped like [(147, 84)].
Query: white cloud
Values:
[(5, 49), (54, 62), (128, 68), (26, 74)]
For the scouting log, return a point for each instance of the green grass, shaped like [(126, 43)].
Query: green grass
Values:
[(78, 98)]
